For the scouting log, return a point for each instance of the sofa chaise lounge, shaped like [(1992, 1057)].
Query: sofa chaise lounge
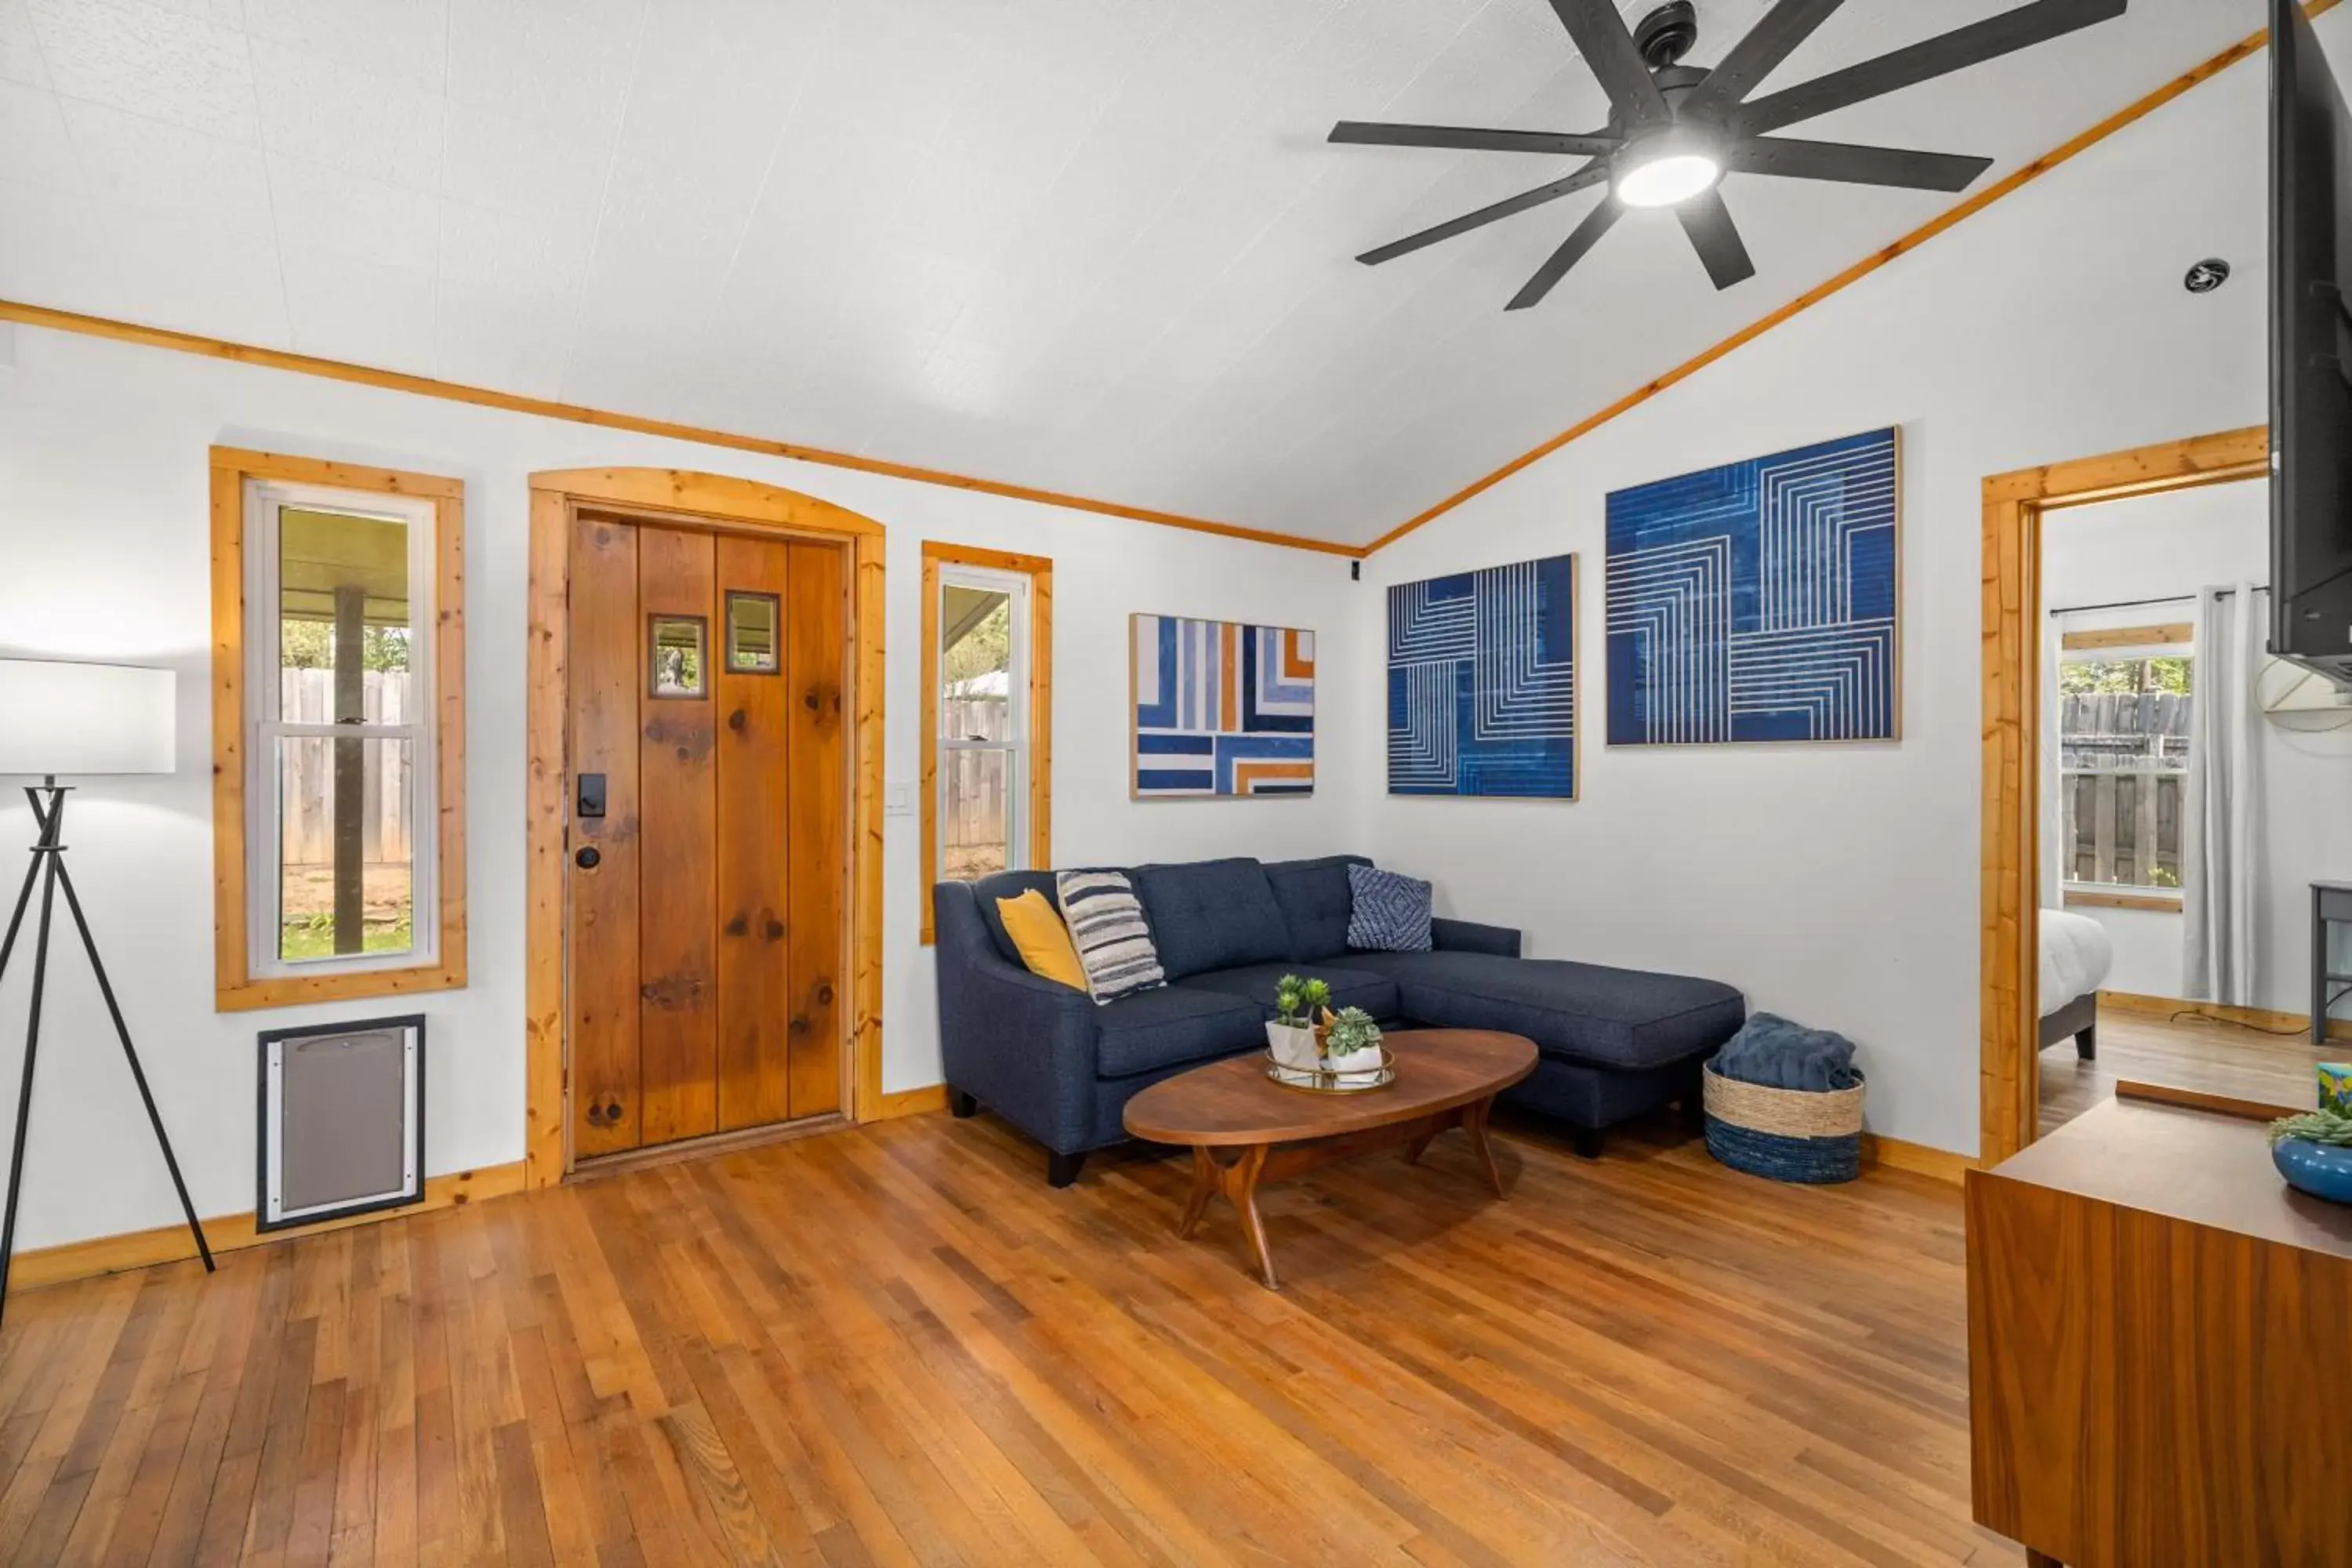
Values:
[(1612, 1043)]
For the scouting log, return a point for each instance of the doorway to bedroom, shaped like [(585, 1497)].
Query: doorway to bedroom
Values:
[(2183, 803)]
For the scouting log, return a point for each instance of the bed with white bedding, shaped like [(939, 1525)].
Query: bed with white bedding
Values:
[(2075, 958)]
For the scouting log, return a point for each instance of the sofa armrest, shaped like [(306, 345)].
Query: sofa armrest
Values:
[(1469, 936), (1021, 1045)]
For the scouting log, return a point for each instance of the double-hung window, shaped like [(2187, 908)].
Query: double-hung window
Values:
[(2122, 737), (987, 714), (343, 731)]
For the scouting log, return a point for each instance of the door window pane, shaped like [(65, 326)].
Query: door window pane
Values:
[(973, 812), (676, 660), (752, 625), (346, 860)]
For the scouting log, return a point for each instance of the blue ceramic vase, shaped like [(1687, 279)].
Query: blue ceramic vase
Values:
[(2323, 1170)]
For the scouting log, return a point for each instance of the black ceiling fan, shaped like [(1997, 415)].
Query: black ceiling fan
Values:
[(1675, 131)]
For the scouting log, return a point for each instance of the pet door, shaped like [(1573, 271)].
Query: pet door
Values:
[(342, 1121)]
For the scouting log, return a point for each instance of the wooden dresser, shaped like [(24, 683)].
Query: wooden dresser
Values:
[(2160, 1348)]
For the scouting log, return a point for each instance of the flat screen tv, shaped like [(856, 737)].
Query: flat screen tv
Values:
[(2311, 352)]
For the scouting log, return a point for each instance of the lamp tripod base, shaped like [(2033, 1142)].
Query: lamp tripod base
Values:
[(49, 870)]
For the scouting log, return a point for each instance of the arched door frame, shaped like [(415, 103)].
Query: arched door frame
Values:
[(656, 495)]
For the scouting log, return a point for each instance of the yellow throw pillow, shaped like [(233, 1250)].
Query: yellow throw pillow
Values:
[(1037, 929)]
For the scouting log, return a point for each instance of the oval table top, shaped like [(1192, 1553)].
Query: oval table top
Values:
[(1233, 1102)]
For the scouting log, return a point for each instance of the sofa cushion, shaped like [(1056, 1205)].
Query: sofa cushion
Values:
[(1010, 885), (1375, 993), (1211, 914), (1388, 912), (1579, 1012), (1171, 1024), (1315, 903), (1114, 946)]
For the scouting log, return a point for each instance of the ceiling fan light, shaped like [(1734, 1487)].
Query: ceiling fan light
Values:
[(1667, 175)]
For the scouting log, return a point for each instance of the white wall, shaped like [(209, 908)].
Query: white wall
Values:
[(1838, 884), (2149, 547), (104, 537)]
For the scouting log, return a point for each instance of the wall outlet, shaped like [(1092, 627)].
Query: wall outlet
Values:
[(897, 800)]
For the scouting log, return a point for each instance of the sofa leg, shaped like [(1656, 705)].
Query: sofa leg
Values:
[(961, 1105), (1588, 1141), (1693, 1107), (1061, 1170)]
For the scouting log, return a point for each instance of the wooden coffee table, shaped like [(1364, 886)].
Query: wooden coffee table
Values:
[(1445, 1078)]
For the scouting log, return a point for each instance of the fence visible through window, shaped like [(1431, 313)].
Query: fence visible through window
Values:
[(2123, 771)]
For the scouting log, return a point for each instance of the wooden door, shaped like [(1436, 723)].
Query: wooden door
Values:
[(707, 832)]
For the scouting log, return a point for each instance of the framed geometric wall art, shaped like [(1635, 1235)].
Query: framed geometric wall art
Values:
[(1219, 708), (1760, 601), (1482, 683)]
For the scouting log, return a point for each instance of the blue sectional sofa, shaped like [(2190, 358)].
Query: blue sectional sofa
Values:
[(1613, 1043)]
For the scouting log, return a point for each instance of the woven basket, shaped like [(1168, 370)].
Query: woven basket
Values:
[(1788, 1134)]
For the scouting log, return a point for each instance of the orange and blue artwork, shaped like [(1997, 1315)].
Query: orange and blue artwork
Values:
[(1221, 709)]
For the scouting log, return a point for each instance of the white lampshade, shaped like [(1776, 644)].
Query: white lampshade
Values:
[(57, 717)]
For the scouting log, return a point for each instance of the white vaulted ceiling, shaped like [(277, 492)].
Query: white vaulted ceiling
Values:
[(1095, 245)]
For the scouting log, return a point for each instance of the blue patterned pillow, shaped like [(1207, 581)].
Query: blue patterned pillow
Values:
[(1389, 914)]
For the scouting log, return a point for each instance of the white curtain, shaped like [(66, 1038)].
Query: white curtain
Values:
[(2216, 851)]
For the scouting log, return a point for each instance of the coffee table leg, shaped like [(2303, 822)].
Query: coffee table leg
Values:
[(1474, 1122), (1419, 1145), (1204, 1187), (1241, 1186)]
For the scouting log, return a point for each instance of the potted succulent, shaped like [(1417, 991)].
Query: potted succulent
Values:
[(1291, 1038), (2314, 1153), (1352, 1043)]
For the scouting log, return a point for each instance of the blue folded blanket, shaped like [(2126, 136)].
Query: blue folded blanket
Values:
[(1771, 1050)]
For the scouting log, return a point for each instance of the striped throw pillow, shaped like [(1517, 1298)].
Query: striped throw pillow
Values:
[(1107, 926)]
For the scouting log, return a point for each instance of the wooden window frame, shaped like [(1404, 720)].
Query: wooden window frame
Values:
[(2009, 1084), (236, 986), (1039, 695)]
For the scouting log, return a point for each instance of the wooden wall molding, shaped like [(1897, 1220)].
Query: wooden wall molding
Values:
[(235, 986), (1919, 1158), (547, 408), (2165, 636), (2009, 1087), (2016, 179), (235, 1232), (718, 502), (1039, 570), (2268, 1019)]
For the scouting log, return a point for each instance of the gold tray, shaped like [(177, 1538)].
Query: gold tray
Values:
[(1361, 1080)]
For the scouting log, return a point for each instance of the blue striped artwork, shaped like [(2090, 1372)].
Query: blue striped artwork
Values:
[(1482, 683), (1757, 601), (1221, 709)]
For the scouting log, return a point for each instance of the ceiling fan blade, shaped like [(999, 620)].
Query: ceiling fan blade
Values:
[(1963, 47), (1572, 251), (1607, 46), (1754, 56), (1591, 174), (1716, 238), (1368, 134), (1853, 164)]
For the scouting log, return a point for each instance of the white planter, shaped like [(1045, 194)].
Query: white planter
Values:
[(1293, 1046), (1366, 1060)]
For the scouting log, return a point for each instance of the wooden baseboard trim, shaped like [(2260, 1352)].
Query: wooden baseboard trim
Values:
[(1897, 1155), (235, 1232), (2264, 1018), (912, 1102)]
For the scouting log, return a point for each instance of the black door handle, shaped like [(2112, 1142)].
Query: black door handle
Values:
[(588, 857)]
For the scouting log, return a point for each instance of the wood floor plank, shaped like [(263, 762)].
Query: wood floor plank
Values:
[(896, 1346)]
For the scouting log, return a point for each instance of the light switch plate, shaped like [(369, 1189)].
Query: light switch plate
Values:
[(897, 800)]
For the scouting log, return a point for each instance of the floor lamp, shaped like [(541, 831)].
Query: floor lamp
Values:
[(72, 719)]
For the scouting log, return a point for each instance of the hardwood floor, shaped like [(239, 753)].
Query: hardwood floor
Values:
[(896, 1344), (2189, 1053)]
